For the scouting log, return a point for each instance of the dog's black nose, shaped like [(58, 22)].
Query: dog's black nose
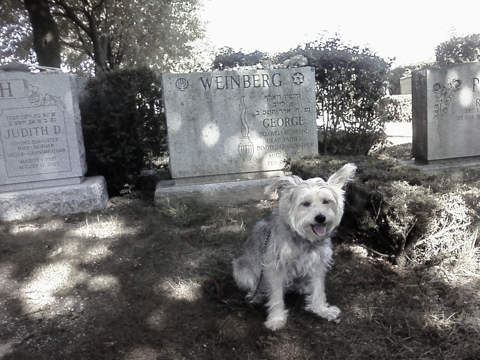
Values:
[(320, 219)]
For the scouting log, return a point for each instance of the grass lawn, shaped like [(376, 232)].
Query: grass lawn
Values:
[(126, 283)]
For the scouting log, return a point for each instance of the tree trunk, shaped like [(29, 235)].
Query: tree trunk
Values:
[(46, 39)]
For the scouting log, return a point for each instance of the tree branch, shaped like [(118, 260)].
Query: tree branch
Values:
[(69, 13)]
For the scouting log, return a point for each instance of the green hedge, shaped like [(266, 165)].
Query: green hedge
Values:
[(124, 126)]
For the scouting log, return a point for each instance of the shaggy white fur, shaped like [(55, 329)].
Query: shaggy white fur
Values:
[(291, 250)]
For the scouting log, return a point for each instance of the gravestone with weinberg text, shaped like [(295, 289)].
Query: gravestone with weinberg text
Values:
[(446, 114), (226, 126), (238, 122), (42, 156)]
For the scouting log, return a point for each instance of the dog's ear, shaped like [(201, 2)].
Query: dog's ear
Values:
[(343, 176), (282, 183)]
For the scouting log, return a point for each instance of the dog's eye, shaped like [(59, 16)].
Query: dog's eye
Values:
[(325, 202), (306, 204)]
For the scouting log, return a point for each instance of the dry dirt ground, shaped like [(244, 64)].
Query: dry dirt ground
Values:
[(126, 283)]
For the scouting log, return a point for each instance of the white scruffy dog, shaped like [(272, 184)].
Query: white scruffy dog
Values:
[(291, 250)]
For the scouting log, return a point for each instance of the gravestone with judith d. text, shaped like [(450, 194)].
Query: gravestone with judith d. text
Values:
[(226, 126), (42, 156), (446, 114)]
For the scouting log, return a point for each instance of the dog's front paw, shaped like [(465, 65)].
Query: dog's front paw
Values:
[(331, 313), (276, 322)]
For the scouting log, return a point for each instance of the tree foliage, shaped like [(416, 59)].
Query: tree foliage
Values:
[(458, 49), (227, 57), (108, 34), (16, 36)]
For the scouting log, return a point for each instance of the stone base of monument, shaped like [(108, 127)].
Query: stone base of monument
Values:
[(224, 193), (454, 169), (89, 195)]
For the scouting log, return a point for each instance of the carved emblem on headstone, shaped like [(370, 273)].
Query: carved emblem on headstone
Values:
[(444, 96), (245, 148), (37, 99), (181, 84), (298, 78)]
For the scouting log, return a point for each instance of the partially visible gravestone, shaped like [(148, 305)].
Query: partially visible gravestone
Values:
[(406, 85), (446, 113), (41, 135), (235, 125), (41, 146), (238, 124)]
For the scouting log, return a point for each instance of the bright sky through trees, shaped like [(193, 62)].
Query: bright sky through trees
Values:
[(408, 30)]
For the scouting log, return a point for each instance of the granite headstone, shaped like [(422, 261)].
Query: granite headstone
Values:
[(41, 141), (42, 155), (446, 113), (230, 131), (238, 124)]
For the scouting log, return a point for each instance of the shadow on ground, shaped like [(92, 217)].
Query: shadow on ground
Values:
[(126, 284)]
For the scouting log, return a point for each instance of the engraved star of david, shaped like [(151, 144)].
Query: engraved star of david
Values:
[(298, 78)]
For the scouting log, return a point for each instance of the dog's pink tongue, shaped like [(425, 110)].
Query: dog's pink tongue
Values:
[(320, 230)]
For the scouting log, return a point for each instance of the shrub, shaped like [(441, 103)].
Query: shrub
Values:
[(401, 213), (124, 127), (350, 82), (396, 108), (344, 142)]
